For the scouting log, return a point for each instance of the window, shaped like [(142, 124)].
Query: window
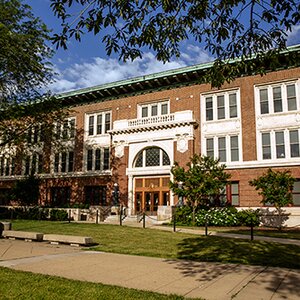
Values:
[(7, 166), (234, 148), (33, 164), (222, 148), (221, 106), (152, 157), (266, 145), (278, 98), (226, 148), (95, 195), (283, 144), (97, 159), (233, 193), (99, 123), (65, 130), (210, 147), (64, 162), (294, 143), (280, 148), (154, 109), (34, 134), (296, 193), (60, 196)]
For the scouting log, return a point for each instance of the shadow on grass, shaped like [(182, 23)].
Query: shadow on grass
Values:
[(230, 257)]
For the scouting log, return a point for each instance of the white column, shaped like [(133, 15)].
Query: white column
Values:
[(130, 195)]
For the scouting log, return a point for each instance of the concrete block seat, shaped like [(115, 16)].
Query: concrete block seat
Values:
[(68, 239), (25, 235)]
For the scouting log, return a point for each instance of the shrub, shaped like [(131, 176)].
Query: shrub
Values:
[(249, 217), (58, 215)]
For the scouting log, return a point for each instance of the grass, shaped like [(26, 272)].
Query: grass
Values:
[(24, 285), (156, 243)]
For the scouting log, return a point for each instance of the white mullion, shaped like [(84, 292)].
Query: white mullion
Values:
[(270, 99), (273, 144), (284, 97), (215, 107), (226, 106), (287, 143)]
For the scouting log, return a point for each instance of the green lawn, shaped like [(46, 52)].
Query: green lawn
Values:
[(23, 285), (156, 243)]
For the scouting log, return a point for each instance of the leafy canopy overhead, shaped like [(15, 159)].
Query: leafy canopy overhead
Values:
[(227, 28), (24, 73)]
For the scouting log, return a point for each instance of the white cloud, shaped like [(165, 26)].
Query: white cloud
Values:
[(293, 37), (98, 70)]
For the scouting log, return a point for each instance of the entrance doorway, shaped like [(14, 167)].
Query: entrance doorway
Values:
[(151, 193)]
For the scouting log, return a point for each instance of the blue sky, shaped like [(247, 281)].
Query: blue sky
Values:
[(85, 64)]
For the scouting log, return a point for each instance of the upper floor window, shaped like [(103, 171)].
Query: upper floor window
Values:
[(277, 98), (154, 109), (7, 166), (97, 159), (65, 130), (34, 134), (33, 164), (152, 157), (226, 148), (64, 162), (99, 123), (220, 106), (296, 193), (279, 144)]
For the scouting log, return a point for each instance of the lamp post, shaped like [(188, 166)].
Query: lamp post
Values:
[(180, 198), (115, 194)]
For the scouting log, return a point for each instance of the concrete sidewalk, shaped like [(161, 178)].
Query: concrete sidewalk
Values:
[(188, 278)]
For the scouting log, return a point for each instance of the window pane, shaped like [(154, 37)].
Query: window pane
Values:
[(40, 163), (71, 162), (235, 200), (65, 129), (234, 147), (222, 148), (221, 107), (91, 125), (294, 143), (152, 157), (280, 149), (210, 147), (139, 160), (264, 103), (145, 112), (166, 160), (106, 159), (56, 163), (154, 110), (296, 193), (90, 160), (232, 106), (277, 99), (291, 97), (99, 124), (97, 159), (266, 146), (209, 108), (63, 162), (72, 128), (107, 122), (164, 109)]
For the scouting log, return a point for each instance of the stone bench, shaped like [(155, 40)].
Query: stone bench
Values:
[(68, 239), (5, 225), (25, 235)]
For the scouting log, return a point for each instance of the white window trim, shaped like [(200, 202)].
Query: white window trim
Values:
[(95, 114), (269, 87), (85, 160), (150, 104), (288, 157)]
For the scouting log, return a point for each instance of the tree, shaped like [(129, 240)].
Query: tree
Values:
[(227, 28), (276, 188), (202, 182), (24, 73)]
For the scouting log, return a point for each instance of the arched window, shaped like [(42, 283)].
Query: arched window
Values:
[(152, 157)]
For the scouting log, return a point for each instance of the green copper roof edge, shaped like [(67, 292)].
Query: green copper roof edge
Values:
[(157, 75)]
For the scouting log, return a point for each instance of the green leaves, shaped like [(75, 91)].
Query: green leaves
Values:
[(203, 180), (275, 187), (228, 29)]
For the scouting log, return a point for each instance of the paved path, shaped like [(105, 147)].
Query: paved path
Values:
[(191, 279)]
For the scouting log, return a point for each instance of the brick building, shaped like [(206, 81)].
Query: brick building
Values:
[(130, 132)]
